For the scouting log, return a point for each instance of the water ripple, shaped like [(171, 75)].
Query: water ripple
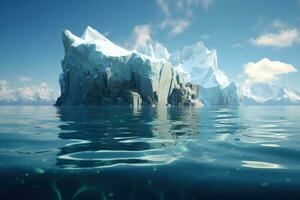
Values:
[(261, 165), (95, 137)]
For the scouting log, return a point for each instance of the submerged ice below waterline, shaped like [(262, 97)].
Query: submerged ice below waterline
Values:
[(177, 151)]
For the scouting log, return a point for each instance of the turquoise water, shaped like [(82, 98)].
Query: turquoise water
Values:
[(149, 153)]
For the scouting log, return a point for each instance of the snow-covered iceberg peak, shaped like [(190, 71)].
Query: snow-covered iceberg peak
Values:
[(69, 39), (91, 34), (93, 37), (201, 66)]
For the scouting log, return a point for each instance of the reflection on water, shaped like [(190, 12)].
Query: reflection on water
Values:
[(106, 136), (261, 165), (109, 136), (93, 137)]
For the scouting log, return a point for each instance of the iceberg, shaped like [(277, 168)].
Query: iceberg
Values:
[(200, 66), (256, 94), (269, 94), (154, 49), (217, 96), (96, 71), (284, 97)]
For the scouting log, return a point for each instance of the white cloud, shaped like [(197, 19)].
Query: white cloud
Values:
[(283, 38), (164, 5), (26, 93), (279, 35), (176, 26), (184, 4), (44, 92), (41, 92), (141, 34), (37, 92), (178, 14), (261, 80), (143, 42), (23, 78), (265, 70), (6, 92)]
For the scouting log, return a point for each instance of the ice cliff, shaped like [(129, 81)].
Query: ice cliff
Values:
[(98, 72)]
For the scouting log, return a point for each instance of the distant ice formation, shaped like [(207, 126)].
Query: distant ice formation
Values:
[(201, 67), (267, 94)]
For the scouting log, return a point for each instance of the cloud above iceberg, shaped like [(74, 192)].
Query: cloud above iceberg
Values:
[(141, 35), (142, 41), (178, 14), (176, 26), (266, 70)]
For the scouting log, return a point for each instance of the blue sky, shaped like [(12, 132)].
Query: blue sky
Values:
[(242, 31)]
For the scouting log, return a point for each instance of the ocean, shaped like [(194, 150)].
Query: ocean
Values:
[(115, 152)]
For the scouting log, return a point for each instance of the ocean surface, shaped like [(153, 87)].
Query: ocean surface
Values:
[(114, 152)]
